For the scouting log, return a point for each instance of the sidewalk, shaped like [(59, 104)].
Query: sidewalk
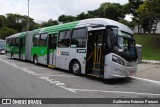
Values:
[(151, 62), (149, 70)]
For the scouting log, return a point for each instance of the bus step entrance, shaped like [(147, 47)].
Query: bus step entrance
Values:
[(96, 72), (51, 66), (96, 61)]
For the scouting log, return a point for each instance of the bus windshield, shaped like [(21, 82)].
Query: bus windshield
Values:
[(125, 44)]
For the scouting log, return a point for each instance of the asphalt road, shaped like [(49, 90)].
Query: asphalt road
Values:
[(19, 79)]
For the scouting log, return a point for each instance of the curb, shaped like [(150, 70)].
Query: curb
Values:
[(150, 62)]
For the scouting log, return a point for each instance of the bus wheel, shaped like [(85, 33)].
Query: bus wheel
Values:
[(76, 68), (35, 59)]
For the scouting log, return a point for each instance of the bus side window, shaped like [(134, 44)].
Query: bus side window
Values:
[(7, 42), (79, 37), (36, 40), (17, 42), (64, 39), (53, 41), (43, 40), (10, 42), (13, 41)]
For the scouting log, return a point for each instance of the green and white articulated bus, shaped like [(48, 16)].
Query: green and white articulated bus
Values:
[(98, 47), (15, 46)]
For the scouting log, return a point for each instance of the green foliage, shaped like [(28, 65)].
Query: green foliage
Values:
[(5, 31), (149, 14), (82, 16), (113, 11), (50, 22), (18, 22), (133, 6), (65, 19), (130, 24), (150, 46), (13, 23), (2, 21)]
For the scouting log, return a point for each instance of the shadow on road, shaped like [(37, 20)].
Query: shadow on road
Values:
[(118, 81)]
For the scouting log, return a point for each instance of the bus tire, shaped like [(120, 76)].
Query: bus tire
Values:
[(35, 59), (76, 68)]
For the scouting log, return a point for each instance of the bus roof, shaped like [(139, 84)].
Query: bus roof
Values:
[(22, 34), (2, 40), (76, 24), (83, 23)]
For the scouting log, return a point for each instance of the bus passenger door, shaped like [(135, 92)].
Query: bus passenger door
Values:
[(95, 53), (51, 53)]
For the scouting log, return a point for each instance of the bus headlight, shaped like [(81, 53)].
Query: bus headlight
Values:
[(118, 60)]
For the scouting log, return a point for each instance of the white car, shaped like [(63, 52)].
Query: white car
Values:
[(2, 51)]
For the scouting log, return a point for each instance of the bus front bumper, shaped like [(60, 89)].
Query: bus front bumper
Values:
[(121, 71), (118, 67)]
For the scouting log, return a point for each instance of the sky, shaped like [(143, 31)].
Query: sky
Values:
[(43, 10)]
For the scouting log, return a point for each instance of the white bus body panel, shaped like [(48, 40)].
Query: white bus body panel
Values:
[(52, 58), (80, 55), (62, 58), (65, 55), (28, 46), (42, 59)]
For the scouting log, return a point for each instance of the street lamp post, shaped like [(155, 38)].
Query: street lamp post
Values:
[(28, 17)]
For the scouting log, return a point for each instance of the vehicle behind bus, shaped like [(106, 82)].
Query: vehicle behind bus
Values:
[(15, 46), (2, 45)]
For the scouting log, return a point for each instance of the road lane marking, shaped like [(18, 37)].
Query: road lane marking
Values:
[(147, 80), (54, 75), (18, 63), (48, 79), (62, 85), (35, 68), (117, 92), (69, 89)]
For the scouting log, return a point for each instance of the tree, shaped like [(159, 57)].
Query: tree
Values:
[(149, 15), (19, 22), (50, 22), (113, 11), (2, 21), (65, 19), (133, 5), (129, 24), (5, 31)]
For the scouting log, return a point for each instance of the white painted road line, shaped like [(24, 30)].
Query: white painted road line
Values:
[(69, 89), (147, 80), (62, 85), (18, 62), (35, 68), (53, 75), (117, 92), (48, 79)]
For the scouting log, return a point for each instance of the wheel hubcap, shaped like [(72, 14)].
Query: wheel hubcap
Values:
[(75, 67), (35, 60)]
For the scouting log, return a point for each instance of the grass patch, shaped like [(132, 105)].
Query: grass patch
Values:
[(150, 45)]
